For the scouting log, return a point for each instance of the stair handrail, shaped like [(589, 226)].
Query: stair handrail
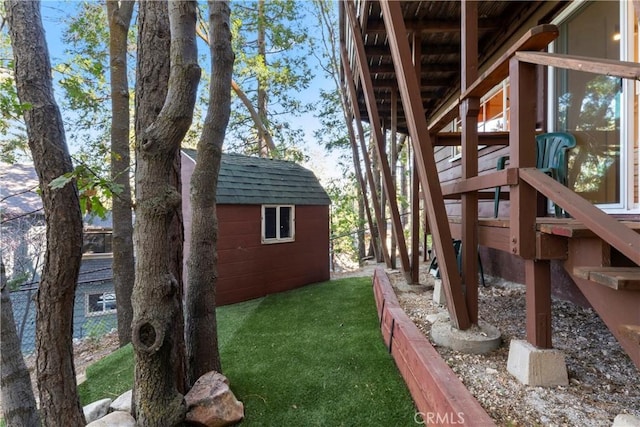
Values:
[(609, 229)]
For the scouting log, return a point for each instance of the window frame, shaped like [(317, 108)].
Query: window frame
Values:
[(503, 88), (104, 311), (278, 238)]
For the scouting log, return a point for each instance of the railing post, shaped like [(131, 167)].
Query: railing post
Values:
[(469, 110), (522, 154), (523, 199)]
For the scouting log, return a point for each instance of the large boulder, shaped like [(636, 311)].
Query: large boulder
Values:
[(96, 410), (115, 419), (123, 402), (211, 403)]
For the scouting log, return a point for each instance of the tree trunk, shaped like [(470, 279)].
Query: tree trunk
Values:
[(18, 401), (262, 89), (119, 15), (54, 300), (201, 326), (157, 306)]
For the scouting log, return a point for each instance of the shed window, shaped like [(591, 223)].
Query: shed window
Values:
[(278, 224), (101, 303)]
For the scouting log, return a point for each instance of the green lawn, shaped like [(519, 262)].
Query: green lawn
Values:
[(312, 356)]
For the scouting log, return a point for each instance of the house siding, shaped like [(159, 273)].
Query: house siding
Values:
[(94, 326), (249, 269)]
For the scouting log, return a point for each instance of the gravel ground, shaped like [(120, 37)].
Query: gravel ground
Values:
[(603, 382)]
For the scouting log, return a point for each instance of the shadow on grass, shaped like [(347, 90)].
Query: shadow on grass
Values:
[(312, 356)]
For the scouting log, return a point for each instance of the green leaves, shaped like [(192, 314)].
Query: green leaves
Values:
[(272, 50), (95, 192)]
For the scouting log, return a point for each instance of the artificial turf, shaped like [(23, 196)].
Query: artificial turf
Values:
[(308, 357)]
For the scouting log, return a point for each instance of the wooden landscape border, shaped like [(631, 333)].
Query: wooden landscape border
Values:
[(439, 395)]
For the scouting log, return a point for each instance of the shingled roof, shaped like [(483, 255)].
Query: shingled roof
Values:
[(249, 180)]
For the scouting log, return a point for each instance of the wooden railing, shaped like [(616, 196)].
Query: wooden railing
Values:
[(519, 64)]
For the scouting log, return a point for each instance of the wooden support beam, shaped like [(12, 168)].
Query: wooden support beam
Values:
[(394, 165), (365, 79), (362, 184), (351, 90), (419, 132), (538, 302), (523, 154), (482, 182), (469, 110), (415, 180), (425, 26)]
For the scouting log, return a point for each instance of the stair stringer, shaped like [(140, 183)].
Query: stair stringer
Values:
[(615, 307)]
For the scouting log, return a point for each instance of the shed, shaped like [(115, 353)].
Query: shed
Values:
[(273, 226)]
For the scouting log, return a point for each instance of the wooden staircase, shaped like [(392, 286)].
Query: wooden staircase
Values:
[(609, 281)]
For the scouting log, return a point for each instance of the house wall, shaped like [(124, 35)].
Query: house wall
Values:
[(248, 269), (84, 325), (495, 262)]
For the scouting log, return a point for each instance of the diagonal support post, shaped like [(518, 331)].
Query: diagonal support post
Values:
[(410, 93)]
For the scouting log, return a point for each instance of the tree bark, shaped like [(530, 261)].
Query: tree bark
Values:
[(157, 306), (54, 299), (262, 90), (119, 15), (18, 401), (201, 327)]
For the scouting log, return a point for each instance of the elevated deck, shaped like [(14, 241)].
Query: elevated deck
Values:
[(609, 280), (551, 237)]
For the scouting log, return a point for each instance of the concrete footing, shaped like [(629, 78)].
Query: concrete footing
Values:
[(478, 339), (536, 367), (438, 292)]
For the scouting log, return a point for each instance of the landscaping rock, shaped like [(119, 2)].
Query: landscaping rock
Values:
[(123, 402), (626, 420), (211, 403), (115, 419), (96, 410)]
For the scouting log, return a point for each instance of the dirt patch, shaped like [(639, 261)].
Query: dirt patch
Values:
[(603, 382)]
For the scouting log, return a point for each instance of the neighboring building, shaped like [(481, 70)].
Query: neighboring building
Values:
[(22, 248), (273, 226)]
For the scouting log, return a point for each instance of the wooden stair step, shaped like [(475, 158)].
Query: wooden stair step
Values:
[(621, 278), (631, 331)]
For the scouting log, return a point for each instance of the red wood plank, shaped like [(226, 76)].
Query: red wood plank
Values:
[(436, 390), (523, 154), (608, 67), (538, 302), (621, 278)]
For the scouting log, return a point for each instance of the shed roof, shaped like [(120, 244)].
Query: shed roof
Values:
[(250, 180), (18, 192)]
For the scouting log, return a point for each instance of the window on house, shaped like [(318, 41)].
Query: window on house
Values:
[(492, 117), (96, 243), (278, 224), (100, 303), (592, 106)]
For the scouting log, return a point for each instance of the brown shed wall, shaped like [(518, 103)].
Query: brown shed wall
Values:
[(248, 269)]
